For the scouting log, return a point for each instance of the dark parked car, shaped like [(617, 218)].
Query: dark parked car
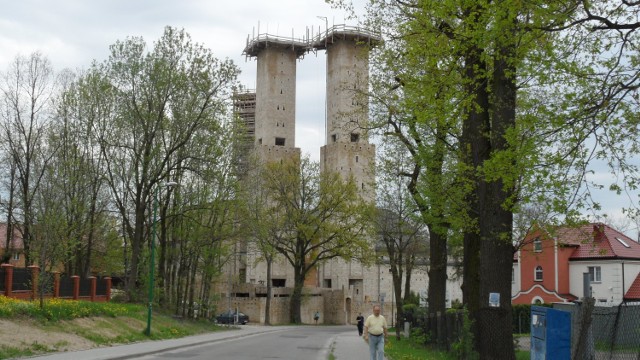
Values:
[(230, 317)]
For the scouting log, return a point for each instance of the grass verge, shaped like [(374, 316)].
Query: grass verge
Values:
[(409, 349), (63, 325)]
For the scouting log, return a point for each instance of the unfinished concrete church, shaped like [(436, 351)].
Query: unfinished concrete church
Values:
[(338, 289)]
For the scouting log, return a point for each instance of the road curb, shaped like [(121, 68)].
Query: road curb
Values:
[(181, 343), (197, 343)]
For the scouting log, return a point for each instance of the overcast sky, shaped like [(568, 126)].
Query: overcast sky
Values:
[(73, 33)]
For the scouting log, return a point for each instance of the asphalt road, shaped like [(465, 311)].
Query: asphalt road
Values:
[(304, 342)]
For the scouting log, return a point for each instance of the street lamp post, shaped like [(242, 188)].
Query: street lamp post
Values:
[(152, 261)]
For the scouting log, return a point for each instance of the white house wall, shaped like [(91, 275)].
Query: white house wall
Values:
[(611, 288), (516, 282)]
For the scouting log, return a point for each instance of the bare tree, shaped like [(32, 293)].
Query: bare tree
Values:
[(27, 90)]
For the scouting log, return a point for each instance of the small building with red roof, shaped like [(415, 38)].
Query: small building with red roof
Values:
[(550, 265), (13, 250)]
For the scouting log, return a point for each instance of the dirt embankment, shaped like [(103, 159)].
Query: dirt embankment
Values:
[(79, 334)]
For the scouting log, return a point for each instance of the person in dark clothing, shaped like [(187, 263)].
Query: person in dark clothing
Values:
[(360, 320)]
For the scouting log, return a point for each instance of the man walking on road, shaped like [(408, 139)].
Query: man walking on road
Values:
[(375, 333), (360, 320)]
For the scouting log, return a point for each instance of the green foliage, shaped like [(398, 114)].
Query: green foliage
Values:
[(413, 298), (463, 348), (58, 309), (103, 324), (418, 336), (456, 304), (413, 349), (309, 217), (156, 115), (521, 316)]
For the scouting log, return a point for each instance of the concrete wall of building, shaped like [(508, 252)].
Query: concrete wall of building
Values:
[(355, 159), (251, 300), (271, 153), (347, 150), (276, 96), (347, 81)]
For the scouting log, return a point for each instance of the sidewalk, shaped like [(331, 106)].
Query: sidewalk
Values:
[(350, 346), (153, 347)]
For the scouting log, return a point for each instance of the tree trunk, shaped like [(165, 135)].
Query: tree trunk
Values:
[(162, 256), (136, 248), (437, 291), (496, 222), (194, 270), (92, 231), (396, 276), (9, 239), (475, 148), (267, 306), (296, 297), (408, 270)]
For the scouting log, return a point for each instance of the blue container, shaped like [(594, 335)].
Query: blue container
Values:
[(550, 334)]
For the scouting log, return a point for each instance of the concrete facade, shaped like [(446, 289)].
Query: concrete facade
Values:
[(347, 150), (276, 96), (275, 88)]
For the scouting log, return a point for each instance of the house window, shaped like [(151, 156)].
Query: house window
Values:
[(334, 137), (538, 274), (279, 141), (278, 282), (16, 256), (537, 245), (595, 274), (355, 137)]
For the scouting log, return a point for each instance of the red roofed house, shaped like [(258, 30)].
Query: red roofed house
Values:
[(549, 267)]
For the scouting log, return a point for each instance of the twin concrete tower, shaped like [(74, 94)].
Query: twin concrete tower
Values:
[(272, 124), (269, 117)]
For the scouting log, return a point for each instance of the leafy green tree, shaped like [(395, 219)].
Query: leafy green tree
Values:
[(76, 172), (164, 101), (532, 101), (312, 217), (403, 235), (258, 221), (419, 120)]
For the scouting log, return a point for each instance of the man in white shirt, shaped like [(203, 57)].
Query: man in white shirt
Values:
[(375, 332)]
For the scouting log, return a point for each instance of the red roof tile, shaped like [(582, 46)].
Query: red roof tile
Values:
[(598, 241), (634, 291)]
